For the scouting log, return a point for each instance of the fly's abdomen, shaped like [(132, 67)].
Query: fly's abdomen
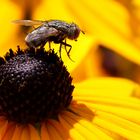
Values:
[(33, 41), (35, 38), (40, 36)]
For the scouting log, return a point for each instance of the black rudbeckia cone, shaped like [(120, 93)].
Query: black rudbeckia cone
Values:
[(34, 86)]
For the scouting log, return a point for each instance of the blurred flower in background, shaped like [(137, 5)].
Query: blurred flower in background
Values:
[(111, 23), (104, 106)]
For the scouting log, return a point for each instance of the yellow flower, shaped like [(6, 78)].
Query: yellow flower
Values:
[(101, 108)]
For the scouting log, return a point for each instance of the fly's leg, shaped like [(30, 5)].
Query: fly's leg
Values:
[(68, 52), (60, 48), (49, 45), (70, 47), (43, 44)]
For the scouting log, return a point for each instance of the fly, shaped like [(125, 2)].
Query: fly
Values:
[(56, 31)]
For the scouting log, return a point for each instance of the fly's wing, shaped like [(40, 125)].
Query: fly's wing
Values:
[(28, 22)]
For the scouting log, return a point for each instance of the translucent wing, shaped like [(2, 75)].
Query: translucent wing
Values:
[(28, 22)]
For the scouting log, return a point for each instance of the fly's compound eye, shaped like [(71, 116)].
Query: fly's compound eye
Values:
[(74, 32)]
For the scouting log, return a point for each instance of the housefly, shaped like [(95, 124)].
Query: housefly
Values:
[(56, 31)]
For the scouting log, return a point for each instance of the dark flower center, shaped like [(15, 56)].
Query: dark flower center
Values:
[(34, 86)]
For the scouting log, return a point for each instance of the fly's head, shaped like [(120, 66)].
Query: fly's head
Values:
[(73, 32)]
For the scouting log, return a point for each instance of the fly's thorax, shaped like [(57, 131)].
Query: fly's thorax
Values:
[(73, 31)]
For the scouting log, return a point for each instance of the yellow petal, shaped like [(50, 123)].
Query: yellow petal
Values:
[(128, 102), (117, 129), (105, 87), (53, 133), (118, 125), (126, 112), (52, 9), (90, 66), (3, 127), (44, 132), (60, 129), (89, 130), (78, 52), (34, 135), (17, 133), (9, 11), (10, 131), (126, 124), (25, 135), (75, 135), (108, 21)]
